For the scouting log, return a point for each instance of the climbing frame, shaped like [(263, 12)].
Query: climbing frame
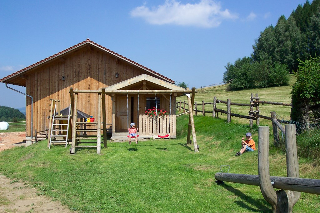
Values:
[(91, 131)]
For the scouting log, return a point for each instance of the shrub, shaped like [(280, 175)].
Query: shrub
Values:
[(306, 92)]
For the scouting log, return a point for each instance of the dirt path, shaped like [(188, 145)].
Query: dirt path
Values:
[(17, 196)]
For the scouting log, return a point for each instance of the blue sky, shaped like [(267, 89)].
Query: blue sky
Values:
[(188, 41)]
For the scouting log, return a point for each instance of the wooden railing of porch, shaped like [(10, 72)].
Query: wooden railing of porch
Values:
[(155, 126)]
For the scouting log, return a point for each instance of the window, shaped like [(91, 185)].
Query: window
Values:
[(153, 102)]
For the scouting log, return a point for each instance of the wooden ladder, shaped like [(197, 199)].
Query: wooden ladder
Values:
[(59, 127)]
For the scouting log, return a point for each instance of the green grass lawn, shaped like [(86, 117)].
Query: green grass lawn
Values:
[(156, 175)]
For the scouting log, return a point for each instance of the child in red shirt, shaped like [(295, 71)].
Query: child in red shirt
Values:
[(133, 133), (247, 145)]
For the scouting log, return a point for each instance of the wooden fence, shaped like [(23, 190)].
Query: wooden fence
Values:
[(154, 126), (281, 201), (254, 106)]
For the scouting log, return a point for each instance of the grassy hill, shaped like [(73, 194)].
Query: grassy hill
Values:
[(157, 175)]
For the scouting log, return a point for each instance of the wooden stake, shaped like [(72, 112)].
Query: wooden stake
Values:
[(194, 137)]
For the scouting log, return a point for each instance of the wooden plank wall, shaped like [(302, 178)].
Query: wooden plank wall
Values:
[(87, 68)]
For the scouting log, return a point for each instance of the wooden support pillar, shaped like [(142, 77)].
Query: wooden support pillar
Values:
[(189, 125), (99, 124), (104, 117), (74, 100), (194, 137)]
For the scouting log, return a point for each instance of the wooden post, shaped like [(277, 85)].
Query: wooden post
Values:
[(104, 118), (192, 126), (275, 129), (196, 108), (214, 107), (281, 201), (292, 162), (263, 168), (74, 99), (251, 110), (184, 106), (189, 125), (294, 184), (99, 124), (179, 106), (257, 110), (203, 110), (50, 121), (228, 110)]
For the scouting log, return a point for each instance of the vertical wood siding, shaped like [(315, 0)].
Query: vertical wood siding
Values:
[(87, 68)]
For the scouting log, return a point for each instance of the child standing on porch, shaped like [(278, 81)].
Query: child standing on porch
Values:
[(133, 132)]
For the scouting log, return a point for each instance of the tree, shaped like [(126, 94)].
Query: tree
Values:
[(306, 92), (183, 85), (265, 46), (11, 114)]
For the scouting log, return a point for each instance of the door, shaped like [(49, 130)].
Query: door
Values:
[(122, 114)]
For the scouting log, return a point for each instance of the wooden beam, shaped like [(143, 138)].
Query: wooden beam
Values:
[(108, 92), (287, 183)]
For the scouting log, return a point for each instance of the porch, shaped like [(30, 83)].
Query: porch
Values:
[(151, 128)]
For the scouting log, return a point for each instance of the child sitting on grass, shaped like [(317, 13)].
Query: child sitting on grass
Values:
[(133, 133), (247, 145)]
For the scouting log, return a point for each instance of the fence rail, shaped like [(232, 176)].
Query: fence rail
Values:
[(254, 112)]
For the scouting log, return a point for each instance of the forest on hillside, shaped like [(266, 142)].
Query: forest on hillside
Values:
[(279, 50), (11, 115)]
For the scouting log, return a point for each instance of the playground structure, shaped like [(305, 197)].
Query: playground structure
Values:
[(281, 201)]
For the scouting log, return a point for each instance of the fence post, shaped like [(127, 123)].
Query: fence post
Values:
[(251, 110), (263, 168), (292, 161), (275, 129), (179, 106), (196, 108), (229, 110), (184, 106), (203, 111), (281, 201), (257, 110), (214, 107)]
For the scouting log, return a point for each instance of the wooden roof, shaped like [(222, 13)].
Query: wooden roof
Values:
[(145, 84), (18, 78)]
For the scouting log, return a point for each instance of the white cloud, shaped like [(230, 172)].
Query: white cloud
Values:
[(267, 15), (6, 68), (206, 13), (251, 16)]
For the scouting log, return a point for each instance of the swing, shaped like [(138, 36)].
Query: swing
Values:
[(164, 136), (132, 124)]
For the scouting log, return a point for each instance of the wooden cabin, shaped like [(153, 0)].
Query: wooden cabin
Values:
[(90, 66)]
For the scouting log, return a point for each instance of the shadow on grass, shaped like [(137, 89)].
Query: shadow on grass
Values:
[(260, 204), (185, 145), (133, 149)]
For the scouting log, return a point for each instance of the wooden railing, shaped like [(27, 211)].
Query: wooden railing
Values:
[(159, 125), (254, 111)]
